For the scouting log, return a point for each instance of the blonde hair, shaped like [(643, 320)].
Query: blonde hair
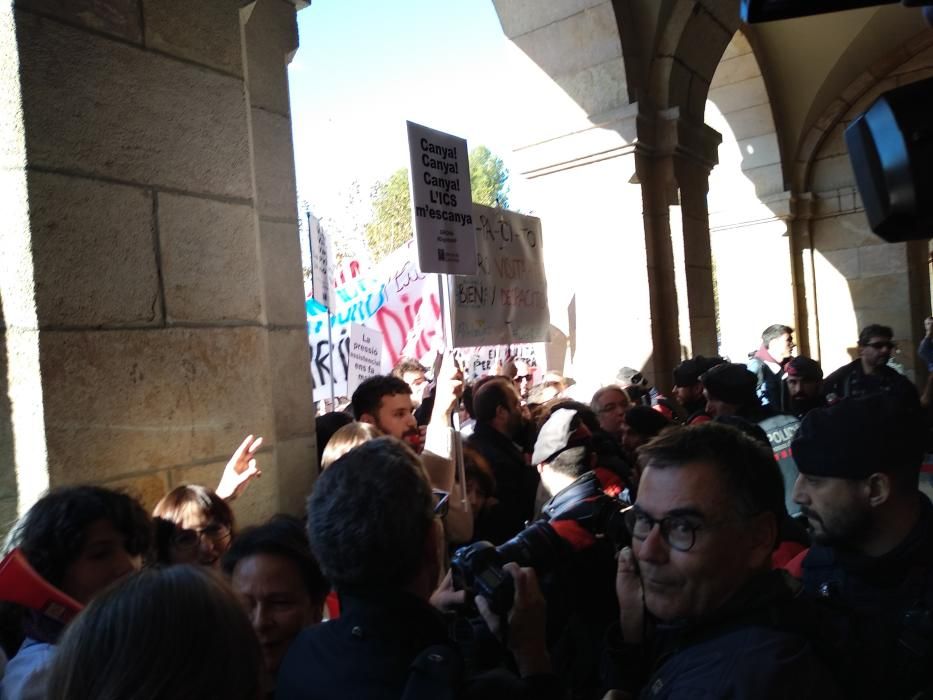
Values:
[(345, 439)]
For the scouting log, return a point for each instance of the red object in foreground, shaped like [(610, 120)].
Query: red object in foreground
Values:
[(19, 583)]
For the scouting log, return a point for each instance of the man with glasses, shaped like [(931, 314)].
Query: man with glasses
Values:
[(610, 404), (702, 614), (870, 373)]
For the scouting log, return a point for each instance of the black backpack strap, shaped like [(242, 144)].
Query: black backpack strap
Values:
[(435, 674)]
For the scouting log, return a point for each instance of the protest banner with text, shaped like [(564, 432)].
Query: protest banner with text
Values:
[(441, 201), (505, 302), (365, 355)]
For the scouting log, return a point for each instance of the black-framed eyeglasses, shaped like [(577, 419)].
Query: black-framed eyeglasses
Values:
[(882, 344), (678, 531), (441, 502), (190, 538)]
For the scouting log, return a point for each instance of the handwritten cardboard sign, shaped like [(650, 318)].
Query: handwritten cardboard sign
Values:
[(505, 302)]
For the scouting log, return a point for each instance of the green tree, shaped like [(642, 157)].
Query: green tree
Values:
[(489, 178), (390, 226)]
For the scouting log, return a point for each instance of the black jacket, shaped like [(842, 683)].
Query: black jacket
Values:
[(516, 486), (368, 652), (885, 623), (751, 648), (851, 381)]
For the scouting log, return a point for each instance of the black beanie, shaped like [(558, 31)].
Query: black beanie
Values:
[(688, 372), (855, 438), (646, 421), (804, 368), (731, 383)]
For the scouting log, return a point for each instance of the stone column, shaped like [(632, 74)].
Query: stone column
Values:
[(152, 319), (676, 156)]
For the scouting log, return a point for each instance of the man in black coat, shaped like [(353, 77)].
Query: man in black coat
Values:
[(375, 528), (500, 422), (870, 373), (872, 528), (702, 614)]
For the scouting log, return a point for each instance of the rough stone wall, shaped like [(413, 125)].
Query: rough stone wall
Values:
[(855, 277), (158, 312), (748, 206)]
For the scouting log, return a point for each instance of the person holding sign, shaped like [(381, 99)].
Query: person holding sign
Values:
[(385, 402)]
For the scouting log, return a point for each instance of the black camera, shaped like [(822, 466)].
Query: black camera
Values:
[(573, 520)]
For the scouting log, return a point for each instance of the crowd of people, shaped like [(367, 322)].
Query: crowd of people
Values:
[(756, 532)]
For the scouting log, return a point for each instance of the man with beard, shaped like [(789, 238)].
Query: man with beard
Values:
[(688, 389), (872, 529), (499, 423), (803, 379), (869, 374), (385, 402)]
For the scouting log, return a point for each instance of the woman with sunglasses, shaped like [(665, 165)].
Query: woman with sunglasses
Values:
[(193, 526)]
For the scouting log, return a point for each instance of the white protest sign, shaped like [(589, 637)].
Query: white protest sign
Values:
[(365, 355), (481, 361), (441, 202), (322, 262), (505, 302)]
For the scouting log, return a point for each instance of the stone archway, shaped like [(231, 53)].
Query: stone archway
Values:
[(850, 277), (620, 157), (748, 205)]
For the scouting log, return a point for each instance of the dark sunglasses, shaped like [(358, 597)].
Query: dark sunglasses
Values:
[(882, 344)]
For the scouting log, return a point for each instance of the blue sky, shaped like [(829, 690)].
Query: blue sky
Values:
[(365, 66)]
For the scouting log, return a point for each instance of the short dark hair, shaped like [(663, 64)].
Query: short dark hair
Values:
[(585, 414), (488, 395), (52, 533), (407, 364), (369, 515), (747, 468), (775, 331), (325, 426), (368, 395), (155, 635), (874, 330), (282, 536), (571, 462)]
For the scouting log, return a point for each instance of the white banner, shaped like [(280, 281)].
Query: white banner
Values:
[(365, 355), (441, 202), (505, 302), (321, 360)]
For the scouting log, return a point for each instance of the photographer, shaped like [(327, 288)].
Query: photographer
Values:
[(579, 588), (701, 612), (375, 527)]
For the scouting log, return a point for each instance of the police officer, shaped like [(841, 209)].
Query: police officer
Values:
[(872, 529)]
